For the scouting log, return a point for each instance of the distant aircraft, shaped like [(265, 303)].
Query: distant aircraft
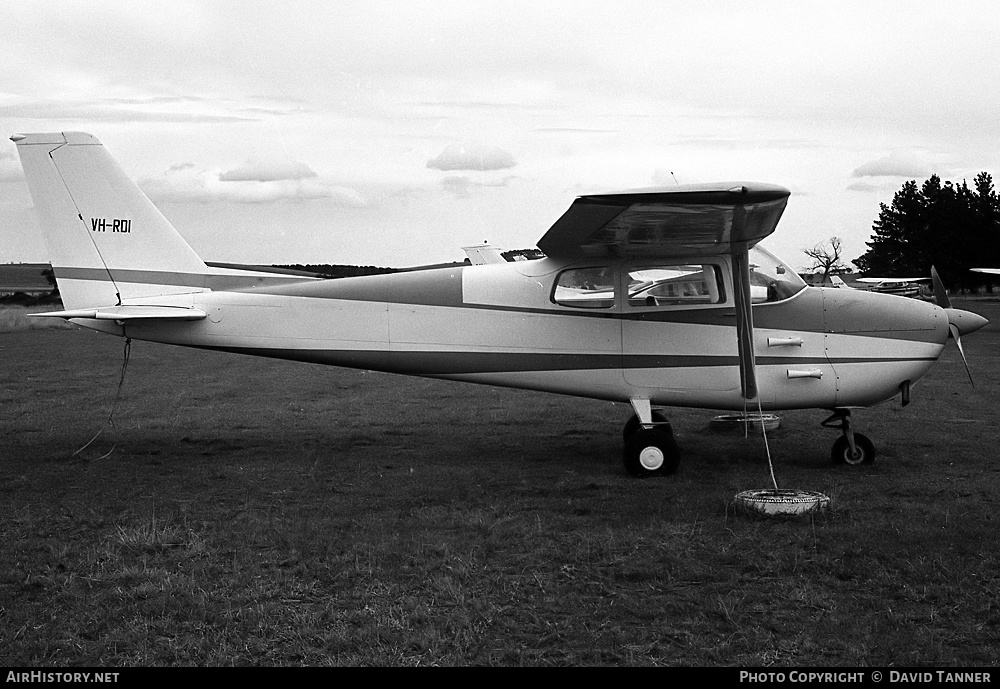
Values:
[(903, 287), (657, 298), (481, 254)]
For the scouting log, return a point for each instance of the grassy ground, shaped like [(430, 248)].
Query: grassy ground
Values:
[(15, 318), (262, 512)]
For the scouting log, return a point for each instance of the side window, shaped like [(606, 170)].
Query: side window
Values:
[(585, 288), (676, 285)]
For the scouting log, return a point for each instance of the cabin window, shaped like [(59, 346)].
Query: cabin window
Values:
[(585, 288), (695, 284)]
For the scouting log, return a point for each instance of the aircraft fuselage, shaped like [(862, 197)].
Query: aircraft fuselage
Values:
[(501, 324)]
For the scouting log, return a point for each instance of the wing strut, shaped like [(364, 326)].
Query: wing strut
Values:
[(744, 320)]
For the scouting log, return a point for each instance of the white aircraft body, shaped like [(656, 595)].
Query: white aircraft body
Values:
[(657, 298)]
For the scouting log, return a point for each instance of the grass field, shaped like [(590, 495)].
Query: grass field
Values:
[(16, 319), (258, 512)]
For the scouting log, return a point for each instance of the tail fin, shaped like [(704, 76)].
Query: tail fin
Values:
[(107, 242), (483, 253)]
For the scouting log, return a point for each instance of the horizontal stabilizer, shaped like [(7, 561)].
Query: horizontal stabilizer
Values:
[(130, 313)]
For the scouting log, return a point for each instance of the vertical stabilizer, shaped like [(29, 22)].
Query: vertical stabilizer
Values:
[(106, 240)]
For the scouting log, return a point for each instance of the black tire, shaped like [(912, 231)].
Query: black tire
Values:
[(651, 452), (865, 451), (633, 425)]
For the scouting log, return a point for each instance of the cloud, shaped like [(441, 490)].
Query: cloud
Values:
[(255, 170), (462, 187), (866, 187), (10, 166), (187, 182), (896, 164), (161, 110), (574, 130), (472, 157), (883, 186)]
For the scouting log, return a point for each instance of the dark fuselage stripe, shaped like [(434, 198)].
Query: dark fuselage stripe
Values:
[(162, 277), (444, 363)]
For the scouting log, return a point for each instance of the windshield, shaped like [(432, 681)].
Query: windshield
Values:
[(770, 279)]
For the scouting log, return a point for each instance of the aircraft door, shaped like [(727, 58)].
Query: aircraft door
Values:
[(678, 334)]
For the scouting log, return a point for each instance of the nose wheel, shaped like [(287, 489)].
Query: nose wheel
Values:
[(850, 448)]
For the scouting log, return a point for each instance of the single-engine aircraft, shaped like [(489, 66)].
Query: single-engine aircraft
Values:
[(904, 287), (657, 298), (483, 253)]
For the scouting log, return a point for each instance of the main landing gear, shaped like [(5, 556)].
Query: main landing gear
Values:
[(650, 448), (851, 448)]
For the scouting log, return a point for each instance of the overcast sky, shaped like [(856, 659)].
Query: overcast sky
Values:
[(393, 133)]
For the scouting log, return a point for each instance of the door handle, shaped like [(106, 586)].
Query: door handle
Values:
[(784, 342)]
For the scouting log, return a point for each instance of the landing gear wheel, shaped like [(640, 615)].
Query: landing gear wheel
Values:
[(651, 452), (633, 424), (865, 451)]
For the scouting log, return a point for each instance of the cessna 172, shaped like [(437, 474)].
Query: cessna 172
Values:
[(656, 298)]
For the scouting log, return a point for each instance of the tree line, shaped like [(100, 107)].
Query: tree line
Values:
[(953, 227)]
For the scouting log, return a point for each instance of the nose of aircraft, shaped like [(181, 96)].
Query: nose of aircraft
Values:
[(965, 321)]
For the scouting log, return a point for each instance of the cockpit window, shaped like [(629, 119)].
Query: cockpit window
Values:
[(770, 279), (586, 288)]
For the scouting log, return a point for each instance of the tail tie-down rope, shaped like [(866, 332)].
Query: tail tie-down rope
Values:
[(114, 406)]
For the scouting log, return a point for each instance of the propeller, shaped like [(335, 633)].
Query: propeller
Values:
[(959, 322), (940, 293)]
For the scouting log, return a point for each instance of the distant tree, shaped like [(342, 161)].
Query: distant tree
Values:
[(986, 233), (952, 227), (827, 259)]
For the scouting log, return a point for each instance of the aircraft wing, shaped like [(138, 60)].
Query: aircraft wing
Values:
[(680, 221), (988, 271)]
